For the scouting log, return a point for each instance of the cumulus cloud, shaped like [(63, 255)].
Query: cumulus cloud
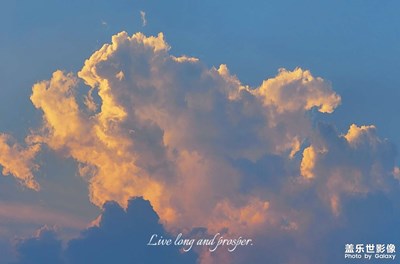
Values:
[(205, 149), (358, 162), (120, 237), (168, 127), (298, 91)]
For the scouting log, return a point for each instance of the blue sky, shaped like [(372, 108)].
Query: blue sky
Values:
[(352, 45)]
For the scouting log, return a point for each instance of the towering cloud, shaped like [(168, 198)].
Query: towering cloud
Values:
[(167, 127), (203, 148)]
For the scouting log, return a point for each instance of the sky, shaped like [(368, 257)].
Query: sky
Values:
[(271, 120)]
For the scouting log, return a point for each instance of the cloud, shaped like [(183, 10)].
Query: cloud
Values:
[(186, 122), (18, 161), (143, 18), (120, 237), (298, 90), (37, 215), (208, 151), (358, 162), (43, 248), (105, 25)]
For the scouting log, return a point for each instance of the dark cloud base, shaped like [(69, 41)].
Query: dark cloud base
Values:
[(121, 237)]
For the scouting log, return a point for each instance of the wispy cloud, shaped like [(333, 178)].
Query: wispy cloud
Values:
[(37, 215), (143, 18)]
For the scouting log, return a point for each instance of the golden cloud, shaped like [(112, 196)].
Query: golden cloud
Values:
[(171, 130)]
